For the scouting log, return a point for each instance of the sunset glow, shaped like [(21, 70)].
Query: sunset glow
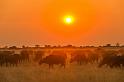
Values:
[(62, 40), (69, 19), (78, 22)]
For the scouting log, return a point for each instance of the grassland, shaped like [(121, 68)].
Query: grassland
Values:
[(72, 73)]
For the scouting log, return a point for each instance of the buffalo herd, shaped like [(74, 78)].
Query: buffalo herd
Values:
[(101, 57), (9, 58)]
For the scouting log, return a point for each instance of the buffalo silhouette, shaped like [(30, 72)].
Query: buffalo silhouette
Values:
[(55, 58), (39, 55), (112, 61), (8, 58), (79, 57)]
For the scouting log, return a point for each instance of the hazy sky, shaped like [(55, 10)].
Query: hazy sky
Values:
[(31, 22)]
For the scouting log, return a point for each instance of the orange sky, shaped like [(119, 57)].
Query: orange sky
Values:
[(31, 22)]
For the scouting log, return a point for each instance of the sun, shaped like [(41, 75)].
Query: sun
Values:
[(68, 19)]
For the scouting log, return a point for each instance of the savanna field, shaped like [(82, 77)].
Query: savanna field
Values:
[(74, 73), (61, 40), (31, 71)]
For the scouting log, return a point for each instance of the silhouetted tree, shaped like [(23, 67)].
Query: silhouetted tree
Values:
[(23, 46), (47, 46), (37, 46), (13, 47), (81, 47), (5, 47), (108, 45), (54, 46), (117, 44)]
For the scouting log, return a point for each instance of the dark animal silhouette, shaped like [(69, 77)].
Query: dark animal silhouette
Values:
[(52, 60), (12, 60), (24, 56), (39, 55), (93, 57), (4, 55), (8, 58), (79, 57), (112, 61)]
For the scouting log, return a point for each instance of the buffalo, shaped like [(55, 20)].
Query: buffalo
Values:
[(112, 61), (79, 57), (8, 58), (56, 58), (24, 56), (12, 60), (39, 55), (4, 55)]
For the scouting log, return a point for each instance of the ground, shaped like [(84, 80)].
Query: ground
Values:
[(72, 73)]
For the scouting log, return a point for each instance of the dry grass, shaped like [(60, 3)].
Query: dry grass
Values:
[(72, 73)]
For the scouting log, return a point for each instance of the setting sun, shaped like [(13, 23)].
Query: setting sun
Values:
[(68, 19)]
